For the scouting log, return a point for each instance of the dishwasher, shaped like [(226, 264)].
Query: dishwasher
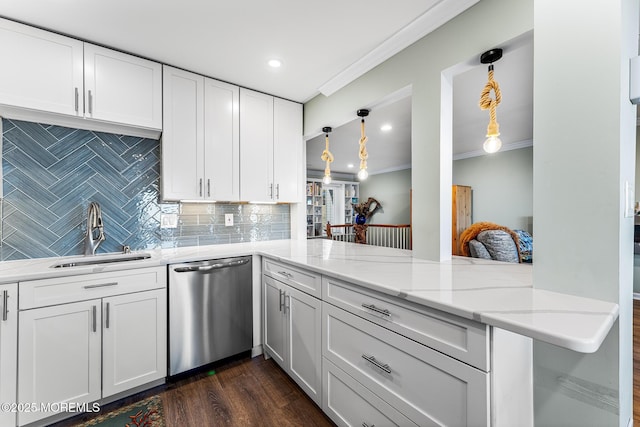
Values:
[(210, 311)]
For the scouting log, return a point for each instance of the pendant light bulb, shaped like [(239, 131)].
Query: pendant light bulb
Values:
[(363, 174), (326, 179), (492, 144)]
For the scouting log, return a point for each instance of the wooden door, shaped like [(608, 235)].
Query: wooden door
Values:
[(460, 214)]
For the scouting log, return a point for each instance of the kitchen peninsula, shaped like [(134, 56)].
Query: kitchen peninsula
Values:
[(469, 303)]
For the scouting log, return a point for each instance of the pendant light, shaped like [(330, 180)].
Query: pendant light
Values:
[(492, 143), (327, 156), (363, 174)]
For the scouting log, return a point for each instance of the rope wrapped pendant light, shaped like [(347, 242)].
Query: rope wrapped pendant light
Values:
[(363, 174), (327, 156), (492, 143)]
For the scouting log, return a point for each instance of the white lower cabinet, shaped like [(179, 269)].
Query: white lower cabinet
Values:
[(292, 334), (349, 403), (83, 351), (8, 349), (428, 387)]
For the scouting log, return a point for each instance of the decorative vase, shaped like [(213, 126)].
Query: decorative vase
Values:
[(361, 219)]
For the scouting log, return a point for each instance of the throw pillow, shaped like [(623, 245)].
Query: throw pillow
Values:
[(500, 245), (477, 250)]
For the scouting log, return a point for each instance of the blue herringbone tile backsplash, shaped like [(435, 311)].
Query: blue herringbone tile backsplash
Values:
[(51, 173)]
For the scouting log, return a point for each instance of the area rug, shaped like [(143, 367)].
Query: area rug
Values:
[(146, 413)]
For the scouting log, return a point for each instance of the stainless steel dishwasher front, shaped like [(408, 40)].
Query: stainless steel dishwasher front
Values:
[(210, 311)]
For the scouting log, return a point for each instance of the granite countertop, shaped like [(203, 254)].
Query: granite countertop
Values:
[(494, 293)]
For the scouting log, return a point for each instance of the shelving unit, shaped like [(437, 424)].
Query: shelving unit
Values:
[(317, 206)]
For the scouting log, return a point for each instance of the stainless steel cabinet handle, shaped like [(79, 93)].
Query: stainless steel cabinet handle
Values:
[(372, 307), (287, 302), (200, 187), (367, 425), (285, 274), (5, 306), (90, 103), (101, 285), (95, 318), (208, 188), (277, 191), (76, 90), (383, 367), (106, 321), (271, 191), (280, 298)]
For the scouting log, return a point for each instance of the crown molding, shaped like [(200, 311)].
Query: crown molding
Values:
[(429, 21), (505, 147)]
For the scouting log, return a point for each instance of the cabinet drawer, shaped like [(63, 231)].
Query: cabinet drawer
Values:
[(301, 279), (460, 338), (426, 386), (40, 293), (349, 403)]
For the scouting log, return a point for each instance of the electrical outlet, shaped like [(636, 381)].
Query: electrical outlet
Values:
[(168, 220), (228, 220)]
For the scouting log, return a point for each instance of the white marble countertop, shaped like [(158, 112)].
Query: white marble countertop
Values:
[(495, 293)]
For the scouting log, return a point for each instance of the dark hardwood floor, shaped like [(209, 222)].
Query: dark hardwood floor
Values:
[(242, 392)]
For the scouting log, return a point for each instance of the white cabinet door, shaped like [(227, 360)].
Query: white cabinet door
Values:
[(40, 70), (122, 88), (256, 147), (221, 141), (8, 349), (183, 135), (304, 334), (274, 320), (287, 150), (134, 340), (59, 355)]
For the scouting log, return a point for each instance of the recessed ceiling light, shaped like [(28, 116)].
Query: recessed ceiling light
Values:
[(385, 128), (350, 165), (275, 63)]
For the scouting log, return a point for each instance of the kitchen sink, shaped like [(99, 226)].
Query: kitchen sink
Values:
[(101, 259)]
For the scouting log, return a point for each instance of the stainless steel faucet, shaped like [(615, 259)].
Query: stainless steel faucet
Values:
[(95, 229)]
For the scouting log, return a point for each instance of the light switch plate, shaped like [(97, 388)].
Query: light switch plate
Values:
[(168, 220), (228, 220)]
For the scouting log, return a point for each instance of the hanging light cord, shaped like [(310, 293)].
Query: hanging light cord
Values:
[(488, 103), (327, 156), (363, 147)]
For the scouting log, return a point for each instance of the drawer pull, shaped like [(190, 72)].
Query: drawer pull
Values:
[(372, 307), (367, 425), (285, 274), (94, 318), (5, 306), (101, 285), (377, 364)]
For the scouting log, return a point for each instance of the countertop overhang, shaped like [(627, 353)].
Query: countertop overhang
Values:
[(494, 293)]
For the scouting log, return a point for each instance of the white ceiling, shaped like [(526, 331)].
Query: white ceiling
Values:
[(322, 44), (392, 151)]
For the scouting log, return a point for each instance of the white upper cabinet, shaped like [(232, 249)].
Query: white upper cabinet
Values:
[(256, 147), (221, 141), (270, 148), (287, 150), (40, 70), (122, 88), (182, 135), (44, 73), (200, 140)]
